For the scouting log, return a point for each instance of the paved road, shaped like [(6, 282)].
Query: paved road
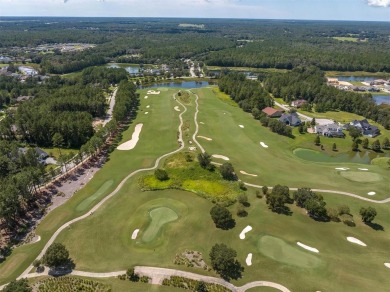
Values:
[(111, 108), (286, 108), (331, 192)]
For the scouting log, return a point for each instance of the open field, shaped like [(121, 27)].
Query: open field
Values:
[(349, 39), (102, 242)]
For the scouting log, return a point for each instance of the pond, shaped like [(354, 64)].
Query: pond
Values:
[(379, 99), (132, 69), (182, 84), (363, 157)]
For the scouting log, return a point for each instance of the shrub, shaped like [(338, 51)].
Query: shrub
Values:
[(161, 174)]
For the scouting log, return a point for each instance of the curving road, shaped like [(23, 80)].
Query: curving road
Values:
[(331, 192)]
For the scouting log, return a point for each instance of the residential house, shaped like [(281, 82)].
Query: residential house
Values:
[(365, 128), (291, 119), (298, 103), (330, 130), (23, 98), (42, 155), (272, 113)]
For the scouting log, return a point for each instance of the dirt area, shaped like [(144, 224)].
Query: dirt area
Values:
[(191, 258)]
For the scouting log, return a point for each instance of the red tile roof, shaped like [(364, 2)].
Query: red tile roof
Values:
[(270, 111)]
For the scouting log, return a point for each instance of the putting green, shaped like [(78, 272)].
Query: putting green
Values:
[(278, 250), (160, 216), (99, 193), (361, 176)]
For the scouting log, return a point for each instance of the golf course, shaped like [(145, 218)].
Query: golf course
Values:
[(172, 216)]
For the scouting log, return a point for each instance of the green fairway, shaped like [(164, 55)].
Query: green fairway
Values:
[(279, 250), (362, 176), (100, 192), (160, 217)]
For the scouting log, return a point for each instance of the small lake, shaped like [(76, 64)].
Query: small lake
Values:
[(381, 99), (183, 84), (132, 69), (363, 157), (357, 78)]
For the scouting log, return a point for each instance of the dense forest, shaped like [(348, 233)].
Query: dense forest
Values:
[(309, 83), (253, 43)]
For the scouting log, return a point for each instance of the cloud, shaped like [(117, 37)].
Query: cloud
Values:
[(379, 3)]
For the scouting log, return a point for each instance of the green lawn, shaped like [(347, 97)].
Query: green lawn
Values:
[(102, 242)]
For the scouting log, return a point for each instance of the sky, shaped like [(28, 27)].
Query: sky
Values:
[(365, 10)]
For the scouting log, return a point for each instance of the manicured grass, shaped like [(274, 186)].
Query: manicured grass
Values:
[(278, 250), (160, 120), (381, 161), (159, 216), (361, 176), (84, 205), (55, 152), (224, 97), (349, 39)]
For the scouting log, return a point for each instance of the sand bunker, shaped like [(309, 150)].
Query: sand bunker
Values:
[(220, 157), (312, 249), (341, 168), (371, 193), (153, 92), (146, 113), (357, 241), (244, 231), (148, 106), (134, 139), (263, 145), (249, 259), (245, 173), (135, 233), (201, 123), (146, 97), (241, 126), (206, 138), (177, 108), (192, 148), (387, 265), (364, 169)]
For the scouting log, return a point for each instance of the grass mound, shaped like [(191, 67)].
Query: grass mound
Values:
[(189, 176), (359, 176), (278, 250), (99, 193), (381, 161), (160, 217)]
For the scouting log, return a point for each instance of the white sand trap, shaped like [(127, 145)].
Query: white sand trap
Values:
[(244, 231), (206, 138), (177, 108), (364, 169), (201, 123), (312, 249), (221, 157), (146, 113), (245, 173), (148, 106), (357, 241), (341, 168), (153, 92), (387, 265), (192, 148), (146, 97), (263, 145), (134, 139), (241, 126), (135, 233), (249, 259), (371, 193)]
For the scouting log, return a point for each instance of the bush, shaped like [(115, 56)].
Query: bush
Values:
[(227, 171), (259, 195), (36, 263), (222, 217), (161, 174), (243, 199), (56, 256), (241, 212)]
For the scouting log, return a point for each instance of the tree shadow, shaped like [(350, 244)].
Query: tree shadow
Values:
[(375, 226)]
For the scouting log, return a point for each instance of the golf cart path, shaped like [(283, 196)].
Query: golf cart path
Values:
[(113, 193), (196, 123), (286, 108), (157, 275), (332, 192)]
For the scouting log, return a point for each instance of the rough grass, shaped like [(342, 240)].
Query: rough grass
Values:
[(278, 250), (381, 161)]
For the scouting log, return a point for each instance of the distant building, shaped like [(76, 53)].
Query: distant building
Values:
[(42, 155), (23, 98), (291, 119), (272, 113), (365, 128), (298, 103), (332, 81)]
